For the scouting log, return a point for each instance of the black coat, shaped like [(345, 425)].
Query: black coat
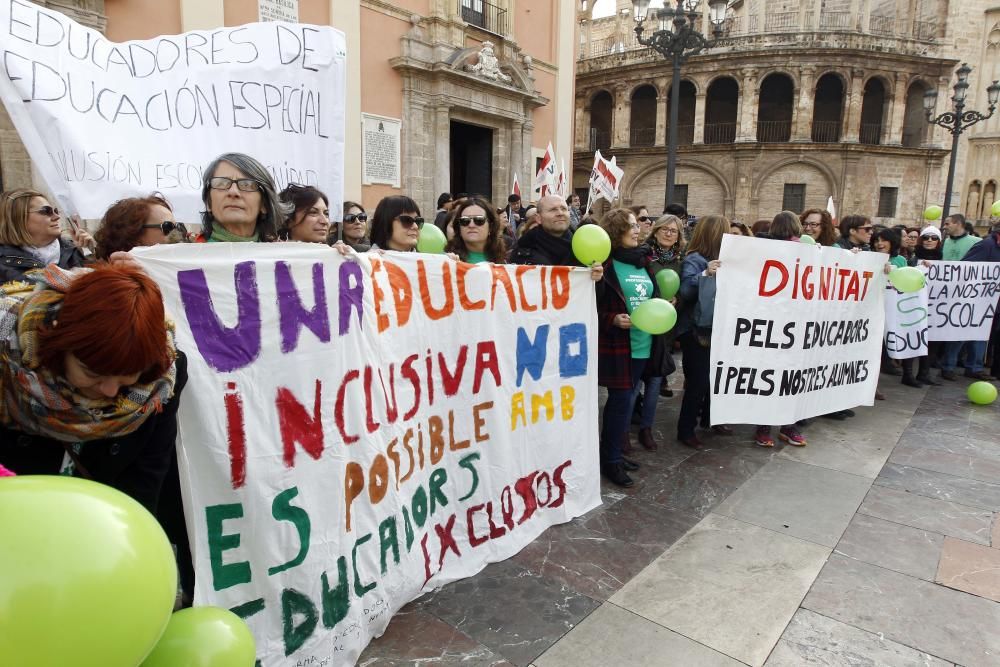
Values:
[(15, 261), (135, 464)]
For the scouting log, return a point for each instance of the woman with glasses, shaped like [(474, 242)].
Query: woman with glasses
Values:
[(645, 222), (818, 224), (396, 224), (31, 236), (354, 228), (241, 202), (928, 249), (309, 220), (137, 221), (477, 232)]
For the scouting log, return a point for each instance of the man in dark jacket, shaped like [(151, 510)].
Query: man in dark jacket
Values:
[(550, 243), (986, 250)]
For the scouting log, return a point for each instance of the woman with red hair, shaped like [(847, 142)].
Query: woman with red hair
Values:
[(137, 221)]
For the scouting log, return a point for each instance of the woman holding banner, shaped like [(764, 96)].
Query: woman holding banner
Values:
[(137, 221), (31, 236), (818, 224), (928, 249), (888, 241), (309, 220), (396, 224), (477, 233), (623, 350), (354, 227), (241, 201)]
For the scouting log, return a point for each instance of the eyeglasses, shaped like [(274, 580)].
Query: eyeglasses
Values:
[(356, 217), (243, 184), (47, 211), (467, 220), (409, 221), (667, 230), (813, 224), (634, 225), (168, 226)]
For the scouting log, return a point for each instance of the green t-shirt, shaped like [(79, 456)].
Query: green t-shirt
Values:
[(477, 257), (898, 261), (637, 287), (955, 249)]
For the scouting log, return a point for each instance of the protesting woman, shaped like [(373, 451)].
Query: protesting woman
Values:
[(928, 249), (137, 221), (477, 232), (623, 350), (396, 224), (666, 251), (31, 236), (818, 224), (309, 219), (241, 202), (354, 228), (888, 241)]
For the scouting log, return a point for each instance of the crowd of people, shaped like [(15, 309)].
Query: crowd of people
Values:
[(90, 376)]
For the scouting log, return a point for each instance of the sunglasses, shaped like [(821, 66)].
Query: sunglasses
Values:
[(409, 221), (644, 218), (866, 229), (467, 220), (47, 211), (168, 226), (242, 184), (356, 217), (928, 237)]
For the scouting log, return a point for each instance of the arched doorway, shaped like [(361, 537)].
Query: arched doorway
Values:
[(872, 112), (721, 104), (685, 114), (601, 113), (774, 115), (828, 109), (914, 124), (643, 117)]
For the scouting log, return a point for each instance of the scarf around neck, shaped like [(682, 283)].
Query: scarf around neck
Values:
[(222, 235), (46, 254), (637, 257), (558, 249), (36, 401)]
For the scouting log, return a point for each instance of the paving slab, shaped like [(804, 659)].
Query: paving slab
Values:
[(727, 584), (948, 462), (893, 546), (851, 452), (940, 485), (939, 516), (614, 636), (800, 500), (970, 567)]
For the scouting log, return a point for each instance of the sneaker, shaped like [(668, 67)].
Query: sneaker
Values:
[(616, 475), (762, 437), (948, 375), (792, 436), (979, 375)]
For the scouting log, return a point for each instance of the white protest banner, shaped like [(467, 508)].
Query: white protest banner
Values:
[(962, 297), (102, 121), (797, 331), (356, 431), (906, 322)]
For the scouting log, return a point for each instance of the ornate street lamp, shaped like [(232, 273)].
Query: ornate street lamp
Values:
[(958, 120), (677, 40)]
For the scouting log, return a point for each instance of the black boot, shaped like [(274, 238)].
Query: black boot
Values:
[(910, 381), (927, 379), (616, 475)]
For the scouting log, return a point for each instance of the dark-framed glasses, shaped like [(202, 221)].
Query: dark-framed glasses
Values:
[(409, 221), (466, 220), (356, 217), (242, 184), (47, 211), (928, 237), (167, 226), (644, 218), (812, 224)]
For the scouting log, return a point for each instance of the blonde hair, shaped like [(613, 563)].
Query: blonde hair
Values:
[(662, 222), (15, 206)]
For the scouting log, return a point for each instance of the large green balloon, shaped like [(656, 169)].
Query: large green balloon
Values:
[(932, 212), (982, 393), (995, 209), (431, 239), (808, 240), (87, 576), (654, 316), (591, 244), (907, 279), (669, 282), (204, 637)]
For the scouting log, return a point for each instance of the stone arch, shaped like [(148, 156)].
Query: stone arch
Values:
[(642, 115), (915, 127), (829, 98), (874, 109), (722, 101), (708, 192), (775, 107), (845, 80), (973, 200), (763, 74), (886, 82), (597, 91), (602, 114), (822, 167)]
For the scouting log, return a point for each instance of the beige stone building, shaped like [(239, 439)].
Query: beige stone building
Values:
[(467, 121), (799, 101)]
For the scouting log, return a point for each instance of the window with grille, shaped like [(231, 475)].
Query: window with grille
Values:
[(794, 197), (681, 195), (887, 202)]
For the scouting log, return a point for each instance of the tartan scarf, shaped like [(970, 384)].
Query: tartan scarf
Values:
[(36, 401)]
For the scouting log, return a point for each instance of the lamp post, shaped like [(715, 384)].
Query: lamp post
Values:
[(958, 120), (677, 40)]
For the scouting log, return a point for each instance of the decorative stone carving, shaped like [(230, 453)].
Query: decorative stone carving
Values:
[(488, 66)]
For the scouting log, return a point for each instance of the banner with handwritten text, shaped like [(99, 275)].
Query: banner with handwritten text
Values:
[(358, 430), (797, 331), (906, 322), (102, 120), (962, 299)]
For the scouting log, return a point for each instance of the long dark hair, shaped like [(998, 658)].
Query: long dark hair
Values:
[(300, 198), (496, 249), (381, 221), (890, 235)]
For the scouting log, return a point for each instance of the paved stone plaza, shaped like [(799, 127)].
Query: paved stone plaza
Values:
[(877, 544)]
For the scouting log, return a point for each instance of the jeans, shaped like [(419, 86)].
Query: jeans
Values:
[(974, 355), (697, 387), (650, 397), (617, 415)]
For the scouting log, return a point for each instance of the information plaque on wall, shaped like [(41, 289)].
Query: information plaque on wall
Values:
[(278, 10), (380, 149)]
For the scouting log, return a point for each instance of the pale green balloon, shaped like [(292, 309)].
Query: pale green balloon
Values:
[(432, 239), (591, 245), (982, 393), (654, 316), (204, 637), (907, 279)]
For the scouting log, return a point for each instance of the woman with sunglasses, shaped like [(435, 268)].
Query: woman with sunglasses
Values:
[(137, 221), (477, 232), (309, 220), (928, 249), (818, 224), (354, 229), (31, 236), (396, 224), (645, 222), (241, 202)]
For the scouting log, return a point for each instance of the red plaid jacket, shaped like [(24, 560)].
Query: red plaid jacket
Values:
[(614, 345)]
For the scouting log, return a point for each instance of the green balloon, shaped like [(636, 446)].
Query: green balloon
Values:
[(654, 316), (995, 209), (907, 279), (808, 240), (432, 239), (932, 212), (591, 244), (669, 282), (982, 393), (87, 576), (204, 637)]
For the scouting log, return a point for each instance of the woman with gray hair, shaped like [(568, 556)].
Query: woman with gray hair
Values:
[(241, 201)]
